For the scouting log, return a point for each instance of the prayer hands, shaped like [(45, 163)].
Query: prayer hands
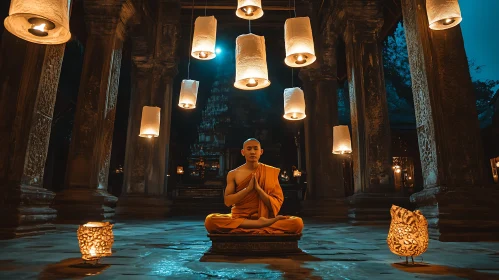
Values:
[(255, 182), (251, 185)]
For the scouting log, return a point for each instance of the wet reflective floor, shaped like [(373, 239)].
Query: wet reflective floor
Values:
[(172, 249)]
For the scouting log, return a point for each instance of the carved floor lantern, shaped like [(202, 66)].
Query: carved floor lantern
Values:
[(251, 63), (342, 144), (408, 235), (39, 21), (299, 42), (151, 119), (188, 94), (294, 104), (205, 38), (95, 240), (443, 14), (249, 9)]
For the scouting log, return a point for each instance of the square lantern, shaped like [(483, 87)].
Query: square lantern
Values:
[(249, 9), (188, 94), (299, 42), (39, 21), (96, 240), (342, 144), (251, 63), (294, 104), (443, 14), (408, 234), (151, 119), (205, 38)]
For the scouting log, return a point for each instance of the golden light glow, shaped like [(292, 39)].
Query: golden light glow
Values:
[(408, 234), (251, 63), (296, 173), (95, 240), (180, 169), (249, 9), (299, 42), (205, 38), (150, 122), (443, 14), (294, 104), (188, 94), (39, 21), (342, 144)]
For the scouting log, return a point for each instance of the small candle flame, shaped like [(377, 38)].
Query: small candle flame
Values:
[(40, 27), (300, 58), (251, 81), (92, 252), (249, 11), (149, 136)]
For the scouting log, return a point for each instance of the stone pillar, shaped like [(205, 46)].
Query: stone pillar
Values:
[(146, 162), (86, 197), (325, 197), (456, 201), (29, 77), (371, 141)]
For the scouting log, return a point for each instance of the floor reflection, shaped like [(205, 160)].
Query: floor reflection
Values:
[(428, 268), (71, 268)]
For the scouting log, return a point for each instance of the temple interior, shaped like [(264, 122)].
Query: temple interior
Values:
[(249, 139)]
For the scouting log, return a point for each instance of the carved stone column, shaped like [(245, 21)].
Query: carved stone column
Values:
[(371, 141), (29, 76), (146, 163), (455, 200), (86, 197)]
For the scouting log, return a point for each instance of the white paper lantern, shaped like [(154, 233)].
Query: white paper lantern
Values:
[(251, 63), (205, 38), (294, 104), (39, 21), (249, 9), (342, 144), (188, 94), (299, 42), (443, 14), (149, 125)]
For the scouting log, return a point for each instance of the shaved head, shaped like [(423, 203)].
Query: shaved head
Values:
[(251, 139), (252, 150)]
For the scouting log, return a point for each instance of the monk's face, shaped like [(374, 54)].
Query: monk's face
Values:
[(252, 151)]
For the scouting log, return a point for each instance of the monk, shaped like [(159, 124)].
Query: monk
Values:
[(256, 197)]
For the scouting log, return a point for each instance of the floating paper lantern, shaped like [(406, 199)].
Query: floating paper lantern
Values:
[(151, 118), (249, 9), (39, 21), (251, 63), (408, 235), (205, 38), (342, 144), (95, 240), (443, 14), (188, 94), (294, 104), (299, 42), (180, 169)]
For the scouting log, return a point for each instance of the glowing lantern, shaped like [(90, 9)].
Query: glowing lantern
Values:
[(342, 144), (188, 94), (205, 38), (408, 235), (443, 14), (294, 104), (296, 173), (180, 169), (39, 21), (249, 9), (251, 63), (95, 240), (299, 42), (151, 118)]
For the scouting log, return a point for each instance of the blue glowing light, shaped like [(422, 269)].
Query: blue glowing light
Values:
[(218, 50)]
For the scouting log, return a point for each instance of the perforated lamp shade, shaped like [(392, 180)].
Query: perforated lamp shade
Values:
[(249, 9), (299, 42), (408, 234), (443, 14), (205, 38), (149, 125), (39, 21), (294, 104), (251, 63), (342, 144), (188, 94)]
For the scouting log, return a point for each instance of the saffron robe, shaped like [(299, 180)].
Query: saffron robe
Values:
[(252, 207)]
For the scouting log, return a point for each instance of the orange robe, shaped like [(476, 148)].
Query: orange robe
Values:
[(252, 207)]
